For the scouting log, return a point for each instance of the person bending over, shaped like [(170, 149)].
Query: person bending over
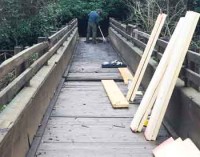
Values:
[(93, 21)]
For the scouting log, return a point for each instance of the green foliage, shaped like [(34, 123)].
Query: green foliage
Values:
[(22, 21), (2, 107), (193, 5)]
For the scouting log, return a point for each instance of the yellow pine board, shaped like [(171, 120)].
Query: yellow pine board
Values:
[(178, 65), (115, 95), (152, 90), (169, 80), (126, 74), (146, 56)]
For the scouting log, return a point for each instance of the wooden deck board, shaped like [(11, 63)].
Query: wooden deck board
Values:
[(97, 105), (116, 97), (83, 123), (93, 76), (95, 149)]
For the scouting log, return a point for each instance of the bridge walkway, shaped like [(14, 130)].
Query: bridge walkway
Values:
[(82, 122)]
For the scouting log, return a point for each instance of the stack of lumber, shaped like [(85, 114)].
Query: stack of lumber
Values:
[(146, 57), (163, 82), (152, 90), (115, 95), (176, 148)]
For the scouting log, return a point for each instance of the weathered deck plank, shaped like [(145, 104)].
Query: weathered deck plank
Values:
[(83, 122), (93, 76), (88, 99)]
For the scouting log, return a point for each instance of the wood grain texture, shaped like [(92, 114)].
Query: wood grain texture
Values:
[(84, 107), (115, 95), (152, 90), (171, 75), (7, 94), (21, 57), (83, 122), (146, 56)]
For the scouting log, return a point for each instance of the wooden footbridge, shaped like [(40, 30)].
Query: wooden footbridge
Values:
[(56, 105)]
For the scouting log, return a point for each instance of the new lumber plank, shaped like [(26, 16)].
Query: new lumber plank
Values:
[(146, 56), (169, 149), (183, 53), (159, 149), (126, 74), (152, 90), (171, 75), (115, 95), (191, 148), (178, 148)]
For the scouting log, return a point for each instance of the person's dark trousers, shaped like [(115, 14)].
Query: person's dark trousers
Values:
[(91, 27)]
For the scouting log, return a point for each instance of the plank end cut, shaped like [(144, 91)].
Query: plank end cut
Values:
[(177, 148), (126, 74), (167, 148), (115, 95), (191, 148), (158, 150)]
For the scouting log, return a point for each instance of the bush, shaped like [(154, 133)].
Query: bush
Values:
[(21, 22)]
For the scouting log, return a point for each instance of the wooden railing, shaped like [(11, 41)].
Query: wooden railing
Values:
[(5, 54), (26, 63), (191, 69)]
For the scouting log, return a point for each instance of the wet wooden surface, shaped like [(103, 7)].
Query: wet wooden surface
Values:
[(83, 122)]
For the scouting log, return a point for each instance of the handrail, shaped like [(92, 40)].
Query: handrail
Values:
[(46, 52), (191, 70), (18, 59), (58, 35)]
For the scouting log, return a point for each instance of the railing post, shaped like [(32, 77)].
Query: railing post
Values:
[(17, 49), (18, 70), (110, 21), (52, 32), (186, 81), (42, 39), (25, 66), (191, 66), (130, 28), (136, 33)]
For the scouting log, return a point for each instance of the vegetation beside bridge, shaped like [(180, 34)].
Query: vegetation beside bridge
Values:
[(22, 21)]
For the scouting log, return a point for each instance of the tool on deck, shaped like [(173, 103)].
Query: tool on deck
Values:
[(113, 64), (104, 39)]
